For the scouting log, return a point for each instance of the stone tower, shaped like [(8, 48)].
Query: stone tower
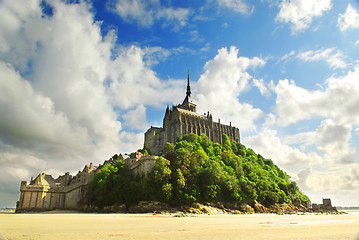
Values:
[(183, 119)]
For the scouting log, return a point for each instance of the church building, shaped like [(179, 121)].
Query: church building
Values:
[(183, 119)]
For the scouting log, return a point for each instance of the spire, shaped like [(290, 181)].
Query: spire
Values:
[(188, 93)]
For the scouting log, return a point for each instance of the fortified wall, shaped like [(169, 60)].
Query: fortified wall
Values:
[(67, 192)]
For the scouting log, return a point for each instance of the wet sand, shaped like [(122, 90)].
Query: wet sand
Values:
[(146, 226)]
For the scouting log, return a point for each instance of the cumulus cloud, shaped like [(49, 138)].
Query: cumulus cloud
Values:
[(271, 146), (145, 13), (327, 170), (337, 101), (322, 160), (236, 5), (330, 138), (261, 87), (339, 183), (132, 82), (350, 19), (333, 57), (326, 173), (219, 87), (300, 13), (136, 118), (30, 116), (61, 95), (17, 19), (333, 140)]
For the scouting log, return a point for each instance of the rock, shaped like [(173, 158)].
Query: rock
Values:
[(235, 212), (246, 208), (259, 207), (148, 207)]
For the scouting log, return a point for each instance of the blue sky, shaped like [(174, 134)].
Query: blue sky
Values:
[(82, 80)]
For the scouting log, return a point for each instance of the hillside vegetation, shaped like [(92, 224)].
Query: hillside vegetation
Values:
[(198, 170)]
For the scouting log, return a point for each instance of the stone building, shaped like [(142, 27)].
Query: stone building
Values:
[(326, 206), (183, 119), (67, 192), (46, 193)]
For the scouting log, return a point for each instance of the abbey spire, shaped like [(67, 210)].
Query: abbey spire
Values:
[(188, 93)]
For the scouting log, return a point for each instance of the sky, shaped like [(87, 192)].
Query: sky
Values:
[(83, 80)]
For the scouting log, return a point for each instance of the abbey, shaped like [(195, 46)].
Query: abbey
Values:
[(183, 119)]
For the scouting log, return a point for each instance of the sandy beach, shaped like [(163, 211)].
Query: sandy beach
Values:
[(147, 226)]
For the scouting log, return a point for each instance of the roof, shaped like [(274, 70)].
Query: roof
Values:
[(194, 114)]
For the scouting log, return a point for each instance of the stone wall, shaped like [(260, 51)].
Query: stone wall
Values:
[(47, 193), (143, 165), (67, 192)]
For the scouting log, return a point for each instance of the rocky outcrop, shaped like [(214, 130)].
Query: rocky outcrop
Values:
[(259, 208), (246, 208), (150, 207), (201, 208)]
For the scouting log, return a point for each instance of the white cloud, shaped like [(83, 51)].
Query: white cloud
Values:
[(350, 19), (152, 55), (58, 91), (206, 47), (17, 18), (332, 57), (269, 145), (145, 13), (261, 87), (132, 82), (225, 25), (225, 77), (57, 110), (331, 139), (286, 57), (193, 36), (339, 183), (130, 141), (19, 159), (236, 5), (136, 118), (337, 101), (357, 42), (30, 116), (324, 174), (301, 12), (329, 173), (357, 131), (321, 161), (182, 50)]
